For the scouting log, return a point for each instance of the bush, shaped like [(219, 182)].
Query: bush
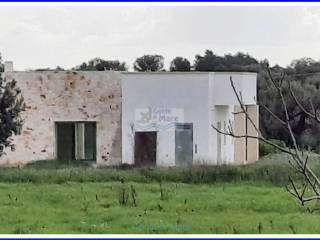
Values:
[(273, 169), (265, 149)]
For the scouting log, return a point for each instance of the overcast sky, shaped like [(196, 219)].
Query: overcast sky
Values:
[(48, 36)]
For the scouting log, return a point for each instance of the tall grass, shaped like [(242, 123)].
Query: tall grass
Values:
[(273, 169)]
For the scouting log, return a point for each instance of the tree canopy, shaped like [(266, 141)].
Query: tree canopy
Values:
[(238, 62), (98, 64), (304, 78), (149, 63), (180, 64), (11, 106)]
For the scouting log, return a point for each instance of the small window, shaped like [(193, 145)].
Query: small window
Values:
[(76, 141)]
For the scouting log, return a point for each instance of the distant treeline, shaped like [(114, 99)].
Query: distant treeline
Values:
[(154, 63), (304, 75)]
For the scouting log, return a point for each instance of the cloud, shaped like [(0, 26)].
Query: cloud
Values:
[(311, 18), (47, 36)]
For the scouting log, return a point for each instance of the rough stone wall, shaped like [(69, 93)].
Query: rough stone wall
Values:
[(53, 96)]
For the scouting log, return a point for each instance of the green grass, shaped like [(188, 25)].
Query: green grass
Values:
[(272, 168), (47, 197), (187, 208)]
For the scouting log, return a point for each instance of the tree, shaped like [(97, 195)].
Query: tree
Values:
[(1, 65), (240, 59), (305, 65), (209, 62), (99, 64), (149, 63), (58, 68), (238, 62), (309, 189), (180, 64), (11, 106), (303, 76), (82, 67), (110, 65)]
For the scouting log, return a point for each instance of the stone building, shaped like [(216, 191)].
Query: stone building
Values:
[(70, 115), (153, 119)]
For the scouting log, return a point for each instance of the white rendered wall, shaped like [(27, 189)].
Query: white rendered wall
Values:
[(185, 91), (223, 114), (222, 100), (223, 93)]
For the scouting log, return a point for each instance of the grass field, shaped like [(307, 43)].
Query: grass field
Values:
[(50, 198), (185, 208)]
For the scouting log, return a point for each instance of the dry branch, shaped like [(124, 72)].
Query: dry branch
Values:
[(299, 162)]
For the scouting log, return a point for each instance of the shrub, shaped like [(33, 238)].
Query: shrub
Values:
[(273, 169), (265, 149)]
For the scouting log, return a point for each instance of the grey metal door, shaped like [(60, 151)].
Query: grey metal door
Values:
[(184, 144)]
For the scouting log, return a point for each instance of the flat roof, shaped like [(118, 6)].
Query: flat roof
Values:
[(193, 72), (134, 73)]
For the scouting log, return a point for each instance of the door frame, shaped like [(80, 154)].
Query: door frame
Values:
[(156, 146), (56, 139), (56, 123), (192, 138)]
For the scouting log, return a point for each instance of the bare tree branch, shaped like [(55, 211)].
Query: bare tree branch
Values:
[(242, 106), (299, 161), (312, 115), (282, 149), (274, 115)]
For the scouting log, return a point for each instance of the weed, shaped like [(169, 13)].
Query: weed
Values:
[(123, 195), (260, 228), (292, 229), (134, 195), (127, 194), (20, 230), (85, 206), (164, 193), (235, 230)]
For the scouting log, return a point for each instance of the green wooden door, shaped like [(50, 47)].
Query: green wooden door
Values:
[(65, 141)]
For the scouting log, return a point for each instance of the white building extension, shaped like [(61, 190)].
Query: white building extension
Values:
[(167, 118)]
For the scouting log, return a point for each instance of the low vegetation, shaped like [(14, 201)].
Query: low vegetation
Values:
[(272, 168), (47, 197), (266, 149)]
